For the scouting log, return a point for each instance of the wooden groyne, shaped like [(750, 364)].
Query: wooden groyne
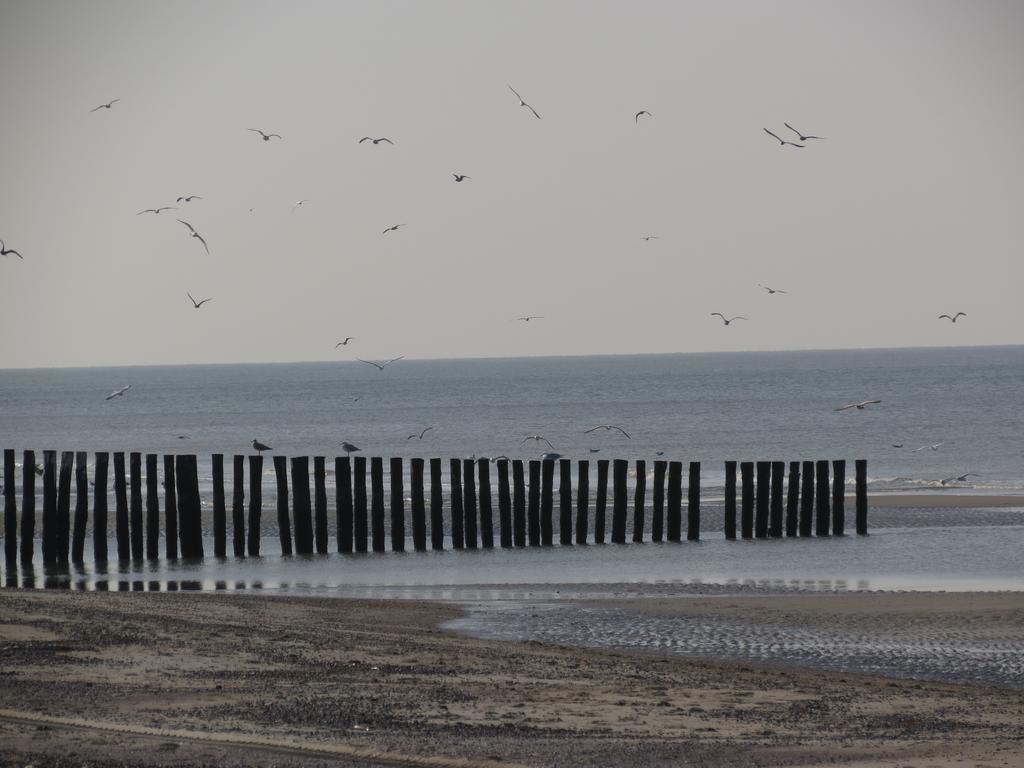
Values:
[(773, 504)]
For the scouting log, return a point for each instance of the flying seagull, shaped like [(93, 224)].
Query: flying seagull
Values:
[(266, 136), (771, 290), (636, 117), (197, 304), (607, 428), (196, 235), (729, 319), (537, 438), (528, 318), (349, 447), (108, 105), (298, 203), (4, 250), (649, 237), (392, 229), (959, 478), (420, 435), (260, 447), (118, 392), (802, 137), (380, 366), (859, 406), (345, 342), (897, 445), (377, 141), (954, 317), (461, 176), (523, 103), (157, 210), (933, 447), (783, 142), (188, 198)]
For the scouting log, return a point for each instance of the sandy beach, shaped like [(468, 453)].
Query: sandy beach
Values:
[(177, 679)]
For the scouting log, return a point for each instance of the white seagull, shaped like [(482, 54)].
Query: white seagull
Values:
[(607, 428), (954, 317), (537, 438), (728, 320), (959, 478), (523, 103), (932, 447), (349, 447), (859, 406), (298, 203), (118, 392), (196, 234)]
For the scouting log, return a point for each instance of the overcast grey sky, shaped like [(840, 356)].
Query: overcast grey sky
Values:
[(913, 206)]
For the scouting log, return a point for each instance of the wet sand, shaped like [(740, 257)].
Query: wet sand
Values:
[(174, 679), (933, 500)]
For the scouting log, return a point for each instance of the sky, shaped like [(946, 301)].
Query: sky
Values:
[(909, 208)]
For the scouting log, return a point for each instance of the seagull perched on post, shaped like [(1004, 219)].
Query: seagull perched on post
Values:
[(728, 320), (4, 251), (636, 117), (108, 105), (266, 136), (783, 142), (420, 435), (157, 210), (954, 317), (523, 103), (197, 304), (348, 447), (802, 137), (260, 447), (537, 438), (859, 406), (118, 392), (345, 342), (196, 234), (380, 366), (377, 141), (607, 428)]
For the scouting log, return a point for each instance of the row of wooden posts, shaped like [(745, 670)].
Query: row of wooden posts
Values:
[(525, 511)]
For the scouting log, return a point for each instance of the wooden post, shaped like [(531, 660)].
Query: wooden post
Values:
[(436, 506), (775, 506), (565, 502), (534, 504), (504, 504), (861, 468), (170, 506), (220, 513), (359, 518), (730, 500), (81, 523), (638, 500), (807, 498), (469, 524), (693, 503), (397, 505), (518, 504), (284, 525), (255, 505), (601, 502), (793, 499), (302, 509), (124, 544), (10, 510), (136, 526), (547, 501), (620, 470), (747, 499), (189, 506), (764, 469), (658, 509), (99, 509), (67, 465), (152, 508), (582, 500), (320, 504), (839, 497), (49, 541), (377, 503), (674, 516), (821, 491), (419, 507), (486, 515), (238, 506), (343, 502), (455, 483)]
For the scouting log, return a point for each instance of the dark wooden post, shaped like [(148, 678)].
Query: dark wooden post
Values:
[(793, 499), (638, 500), (839, 497), (455, 483), (152, 508), (320, 504), (189, 506), (518, 504), (67, 465), (601, 502), (255, 504), (861, 468), (821, 491), (674, 516), (220, 512), (547, 501), (565, 502), (747, 499), (302, 508), (419, 507), (582, 500), (49, 538), (81, 523), (377, 503), (238, 506), (397, 505), (534, 503), (170, 506), (504, 504), (99, 509), (730, 500), (469, 519), (764, 469), (124, 544), (343, 502), (359, 515), (775, 507), (807, 498), (436, 506), (28, 507), (136, 526), (620, 470), (10, 510), (284, 525), (658, 508), (486, 515), (693, 503)]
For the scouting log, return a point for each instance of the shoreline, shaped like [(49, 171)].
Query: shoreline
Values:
[(932, 500)]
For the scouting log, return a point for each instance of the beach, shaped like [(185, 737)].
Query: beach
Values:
[(193, 679)]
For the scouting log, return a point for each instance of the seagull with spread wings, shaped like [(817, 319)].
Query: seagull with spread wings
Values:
[(108, 105), (4, 251), (728, 320), (188, 198), (420, 435), (523, 103), (118, 392), (157, 210), (783, 142), (345, 342), (377, 141), (393, 228), (607, 428), (859, 406), (381, 366), (771, 290), (537, 438), (195, 234), (197, 304), (636, 117), (528, 318), (953, 318), (266, 136), (932, 447), (461, 176), (802, 137)]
